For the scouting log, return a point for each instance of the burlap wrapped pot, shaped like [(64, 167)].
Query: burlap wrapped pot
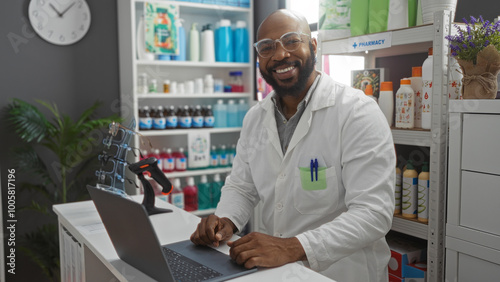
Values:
[(480, 79)]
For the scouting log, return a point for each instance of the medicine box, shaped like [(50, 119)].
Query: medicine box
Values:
[(416, 271), (405, 250)]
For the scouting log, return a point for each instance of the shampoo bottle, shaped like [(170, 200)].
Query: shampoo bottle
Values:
[(190, 195), (194, 43), (240, 46), (405, 105), (386, 101), (182, 43), (369, 92), (204, 195), (427, 91), (409, 191), (423, 194), (224, 42), (216, 190), (416, 85), (207, 44)]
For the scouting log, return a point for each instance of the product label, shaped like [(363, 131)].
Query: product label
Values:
[(145, 123), (209, 121), (214, 160), (405, 109), (159, 123), (178, 200), (423, 198), (454, 90), (397, 193), (224, 160), (409, 191), (427, 96), (168, 164), (185, 122), (181, 164), (171, 122), (198, 122)]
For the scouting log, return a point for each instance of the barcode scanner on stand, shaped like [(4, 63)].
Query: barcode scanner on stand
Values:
[(149, 167)]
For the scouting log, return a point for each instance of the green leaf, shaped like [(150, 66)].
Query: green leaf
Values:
[(28, 122)]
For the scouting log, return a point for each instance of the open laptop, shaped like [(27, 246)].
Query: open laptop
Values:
[(136, 243)]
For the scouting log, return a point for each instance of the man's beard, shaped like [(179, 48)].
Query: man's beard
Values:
[(296, 89)]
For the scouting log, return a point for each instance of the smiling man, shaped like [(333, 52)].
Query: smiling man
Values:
[(319, 157)]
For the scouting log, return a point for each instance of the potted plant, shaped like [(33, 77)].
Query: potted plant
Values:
[(477, 49), (58, 155)]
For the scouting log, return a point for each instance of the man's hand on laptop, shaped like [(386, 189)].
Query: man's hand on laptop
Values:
[(212, 230), (258, 249)]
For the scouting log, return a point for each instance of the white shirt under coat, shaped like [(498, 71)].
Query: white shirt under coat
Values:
[(342, 227)]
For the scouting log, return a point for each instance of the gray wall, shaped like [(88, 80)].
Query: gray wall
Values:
[(77, 75), (72, 76)]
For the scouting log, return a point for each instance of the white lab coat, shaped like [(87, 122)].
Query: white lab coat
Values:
[(342, 227)]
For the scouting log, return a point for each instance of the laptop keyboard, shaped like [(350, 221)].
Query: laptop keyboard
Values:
[(185, 269)]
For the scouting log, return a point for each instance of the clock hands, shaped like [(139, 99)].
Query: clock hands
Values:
[(54, 8), (69, 7)]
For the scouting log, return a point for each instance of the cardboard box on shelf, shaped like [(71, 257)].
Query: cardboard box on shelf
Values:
[(394, 278), (405, 250), (415, 272)]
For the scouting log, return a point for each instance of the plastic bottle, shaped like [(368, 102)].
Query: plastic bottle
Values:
[(242, 111), (409, 191), (180, 160), (194, 43), (223, 156), (207, 44), (224, 42), (185, 119), (171, 118), (208, 119), (214, 157), (232, 154), (216, 190), (209, 84), (232, 114), (204, 194), (386, 101), (177, 195), (142, 84), (405, 105), (159, 121), (156, 154), (235, 81), (153, 86), (455, 80), (182, 43), (427, 91), (241, 45), (423, 194), (416, 85), (197, 117), (397, 193), (369, 92), (145, 120), (220, 114), (190, 195), (168, 160)]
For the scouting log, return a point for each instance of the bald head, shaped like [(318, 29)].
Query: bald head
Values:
[(282, 21)]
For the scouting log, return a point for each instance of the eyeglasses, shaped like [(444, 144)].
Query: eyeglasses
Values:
[(290, 41)]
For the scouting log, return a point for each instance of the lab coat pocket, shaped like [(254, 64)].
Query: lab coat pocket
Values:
[(318, 196)]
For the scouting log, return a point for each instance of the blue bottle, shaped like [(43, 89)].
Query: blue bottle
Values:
[(220, 114), (182, 43), (242, 111), (240, 43), (214, 157), (232, 114), (216, 190), (224, 42), (204, 195)]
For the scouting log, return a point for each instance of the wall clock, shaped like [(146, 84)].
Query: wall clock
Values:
[(60, 22)]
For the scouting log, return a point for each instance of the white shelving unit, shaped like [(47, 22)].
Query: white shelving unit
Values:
[(129, 14), (410, 41)]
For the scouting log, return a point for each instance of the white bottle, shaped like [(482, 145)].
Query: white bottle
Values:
[(423, 194), (194, 43), (427, 91), (409, 191), (455, 80), (405, 105), (416, 85), (209, 84), (177, 195), (207, 44), (386, 101)]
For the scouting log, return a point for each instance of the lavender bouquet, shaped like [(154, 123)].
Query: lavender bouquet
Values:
[(477, 49)]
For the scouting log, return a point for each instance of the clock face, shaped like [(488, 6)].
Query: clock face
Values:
[(61, 22)]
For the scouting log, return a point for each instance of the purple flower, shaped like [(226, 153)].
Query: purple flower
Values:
[(486, 43), (464, 46), (481, 18), (465, 20), (454, 54), (472, 44), (473, 20)]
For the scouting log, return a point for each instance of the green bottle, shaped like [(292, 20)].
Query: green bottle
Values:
[(204, 195), (216, 190)]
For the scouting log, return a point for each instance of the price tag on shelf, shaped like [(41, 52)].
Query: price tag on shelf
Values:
[(370, 42)]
